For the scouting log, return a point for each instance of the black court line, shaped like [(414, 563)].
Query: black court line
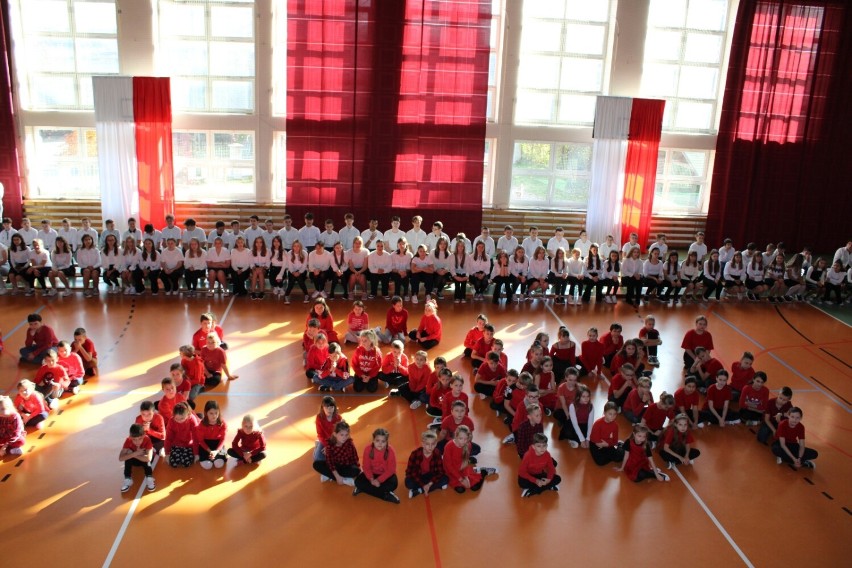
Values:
[(826, 387), (844, 508), (5, 477), (60, 412), (20, 461), (52, 422), (807, 479), (42, 435), (806, 338), (829, 497)]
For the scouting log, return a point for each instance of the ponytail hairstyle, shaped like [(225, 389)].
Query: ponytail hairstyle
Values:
[(667, 399), (376, 433), (466, 448)]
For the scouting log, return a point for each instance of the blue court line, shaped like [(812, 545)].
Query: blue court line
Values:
[(22, 323), (794, 371)]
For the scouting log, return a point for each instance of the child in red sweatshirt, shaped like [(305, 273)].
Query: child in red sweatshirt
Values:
[(367, 362), (428, 333), (180, 437), (425, 470), (378, 477), (591, 355), (73, 365), (394, 365), (137, 451), (31, 405), (537, 473), (210, 437), (414, 391), (327, 418), (51, 379), (249, 445), (12, 432), (460, 472), (154, 425)]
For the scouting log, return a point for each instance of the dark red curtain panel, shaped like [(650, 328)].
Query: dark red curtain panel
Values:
[(10, 175), (386, 109), (640, 170), (152, 112), (782, 170)]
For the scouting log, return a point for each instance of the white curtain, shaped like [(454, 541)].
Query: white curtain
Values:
[(609, 155), (116, 133)]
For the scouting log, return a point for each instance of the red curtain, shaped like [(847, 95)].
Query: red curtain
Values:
[(640, 171), (152, 112), (10, 175), (386, 109), (782, 169)]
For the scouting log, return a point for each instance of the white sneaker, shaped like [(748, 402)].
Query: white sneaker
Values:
[(570, 300), (414, 300), (306, 300), (482, 396), (663, 475), (525, 492), (125, 487), (350, 481), (149, 483), (54, 404), (510, 439), (415, 405), (324, 479), (51, 292), (406, 299), (573, 444), (66, 292), (778, 460)]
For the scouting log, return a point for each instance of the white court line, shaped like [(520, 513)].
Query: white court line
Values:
[(127, 517), (120, 536), (576, 341), (826, 313), (21, 324), (713, 518), (774, 356)]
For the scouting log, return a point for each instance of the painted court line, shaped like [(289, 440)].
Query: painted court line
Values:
[(828, 314), (227, 310), (713, 518), (575, 339), (127, 517), (793, 370), (22, 323)]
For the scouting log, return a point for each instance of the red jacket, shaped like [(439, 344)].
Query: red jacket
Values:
[(167, 405), (337, 370), (194, 369), (325, 427), (215, 432), (430, 328), (472, 337), (253, 443), (316, 358), (591, 355), (181, 434), (199, 338), (32, 405), (379, 465)]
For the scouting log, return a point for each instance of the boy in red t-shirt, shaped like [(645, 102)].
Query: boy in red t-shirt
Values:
[(591, 355), (705, 367), (482, 347), (789, 445), (717, 404), (687, 401), (651, 337), (396, 322), (754, 400), (85, 348), (474, 334), (171, 397), (486, 377), (51, 379), (776, 411), (154, 425), (137, 451), (742, 373), (612, 341), (537, 473)]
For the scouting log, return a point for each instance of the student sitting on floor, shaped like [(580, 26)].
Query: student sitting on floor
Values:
[(457, 465), (677, 443), (425, 470), (776, 410), (154, 425), (137, 451), (789, 445), (12, 432), (378, 478), (249, 445), (537, 473), (638, 463), (603, 441), (341, 458), (181, 436)]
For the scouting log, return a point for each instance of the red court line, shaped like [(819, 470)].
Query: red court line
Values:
[(816, 352), (436, 551), (829, 444), (778, 347)]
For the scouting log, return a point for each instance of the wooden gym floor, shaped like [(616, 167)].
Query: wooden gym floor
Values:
[(61, 500)]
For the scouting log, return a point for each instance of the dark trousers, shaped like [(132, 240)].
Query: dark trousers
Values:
[(110, 276), (461, 290), (171, 282), (482, 388), (410, 395), (712, 287), (191, 278), (385, 487), (707, 416), (652, 349), (153, 277), (810, 454), (479, 283), (746, 414), (634, 289), (419, 482), (592, 285), (296, 280), (421, 277), (534, 487), (371, 385), (427, 344), (674, 457), (351, 470), (320, 279), (507, 284), (238, 281), (764, 433), (131, 463), (559, 284), (375, 280), (40, 275), (603, 456), (393, 379), (272, 275), (400, 284), (254, 459)]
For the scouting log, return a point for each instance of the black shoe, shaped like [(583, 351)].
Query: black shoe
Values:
[(391, 497), (355, 491), (460, 489)]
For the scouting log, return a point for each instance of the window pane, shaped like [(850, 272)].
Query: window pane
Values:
[(577, 109), (539, 72), (534, 107), (182, 20), (691, 164), (574, 158), (97, 56), (53, 91), (51, 54), (189, 145), (667, 14), (698, 82), (41, 16), (551, 9), (694, 116), (63, 161), (572, 190), (663, 45), (541, 36), (532, 156), (703, 48), (94, 18), (233, 95), (684, 195), (589, 39), (87, 96), (214, 165), (595, 11), (192, 60), (235, 59), (707, 15), (189, 94), (232, 22), (530, 187), (660, 79), (582, 75)]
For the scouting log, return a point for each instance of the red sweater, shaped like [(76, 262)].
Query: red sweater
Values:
[(213, 432), (618, 381), (620, 360), (397, 321), (740, 377), (418, 377), (55, 374), (335, 370), (693, 339), (73, 366), (89, 346), (591, 355), (326, 325), (43, 339), (181, 434), (634, 402), (12, 432), (718, 396), (756, 400), (194, 369), (430, 328), (156, 428), (358, 323), (379, 465), (655, 417), (603, 431), (637, 459), (482, 347), (253, 443), (449, 398), (167, 405), (199, 338), (534, 467), (437, 395), (686, 401), (389, 365), (486, 373), (453, 465), (472, 337), (33, 404), (366, 363), (325, 427), (565, 354), (316, 358), (611, 345), (449, 425)]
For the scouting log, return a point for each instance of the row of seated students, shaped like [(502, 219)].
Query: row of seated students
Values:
[(280, 260)]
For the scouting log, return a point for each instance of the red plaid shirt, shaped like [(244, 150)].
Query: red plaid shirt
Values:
[(415, 461), (524, 436), (343, 455)]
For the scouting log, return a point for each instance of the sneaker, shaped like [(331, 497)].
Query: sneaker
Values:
[(406, 299), (149, 483), (482, 396), (350, 481), (442, 487), (460, 489), (663, 475), (324, 478), (778, 460), (486, 471), (415, 405), (75, 390), (393, 392), (510, 439), (732, 422), (809, 464), (570, 300), (700, 425), (287, 300), (315, 295), (15, 451), (573, 444), (30, 292), (412, 493), (670, 465), (526, 493), (752, 422), (51, 292), (54, 404), (307, 299), (371, 297), (414, 300), (391, 497), (456, 301), (355, 491), (548, 412), (654, 361), (125, 487)]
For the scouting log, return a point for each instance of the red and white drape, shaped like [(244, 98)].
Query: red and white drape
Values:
[(133, 118), (624, 167)]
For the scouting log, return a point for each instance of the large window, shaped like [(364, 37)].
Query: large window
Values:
[(682, 181), (207, 47), (62, 162), (58, 46), (550, 175), (494, 58), (213, 166), (684, 51), (563, 61)]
